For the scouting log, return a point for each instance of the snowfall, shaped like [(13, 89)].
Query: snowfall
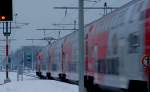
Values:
[(31, 84)]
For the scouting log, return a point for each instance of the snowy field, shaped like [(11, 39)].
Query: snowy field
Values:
[(30, 84)]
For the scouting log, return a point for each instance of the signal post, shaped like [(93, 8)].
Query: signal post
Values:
[(7, 33), (6, 18)]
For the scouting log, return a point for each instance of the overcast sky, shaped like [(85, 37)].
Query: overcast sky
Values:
[(40, 14)]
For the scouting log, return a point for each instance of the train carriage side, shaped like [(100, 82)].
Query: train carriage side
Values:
[(55, 58), (115, 45), (44, 61), (40, 65), (70, 56), (48, 58)]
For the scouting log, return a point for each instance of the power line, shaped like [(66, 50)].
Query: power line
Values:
[(55, 29), (74, 24), (8, 39), (105, 8), (86, 8)]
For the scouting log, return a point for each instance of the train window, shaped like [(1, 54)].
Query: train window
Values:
[(115, 65), (115, 44), (142, 15), (108, 66), (44, 67), (72, 67), (54, 68), (104, 67), (134, 43), (99, 66)]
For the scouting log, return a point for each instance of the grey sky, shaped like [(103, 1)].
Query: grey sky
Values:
[(40, 14)]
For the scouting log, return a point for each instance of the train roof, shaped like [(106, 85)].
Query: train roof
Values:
[(116, 10)]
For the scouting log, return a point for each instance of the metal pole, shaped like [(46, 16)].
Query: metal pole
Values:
[(59, 32), (32, 57), (62, 60), (105, 8), (81, 46), (75, 23), (23, 58), (148, 81), (7, 78), (9, 42)]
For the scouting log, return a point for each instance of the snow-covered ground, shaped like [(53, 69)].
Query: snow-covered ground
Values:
[(30, 84), (13, 77)]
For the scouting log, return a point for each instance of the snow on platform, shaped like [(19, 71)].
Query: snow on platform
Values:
[(13, 77), (38, 86), (34, 85)]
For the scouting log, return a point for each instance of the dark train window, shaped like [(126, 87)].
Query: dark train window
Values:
[(101, 66), (72, 67), (115, 66), (109, 66), (133, 42), (54, 68), (98, 66), (44, 67), (142, 15), (115, 44)]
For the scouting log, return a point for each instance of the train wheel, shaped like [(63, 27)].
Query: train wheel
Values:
[(48, 74), (62, 77)]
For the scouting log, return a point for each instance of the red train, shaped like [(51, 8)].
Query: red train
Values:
[(114, 47)]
